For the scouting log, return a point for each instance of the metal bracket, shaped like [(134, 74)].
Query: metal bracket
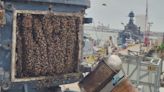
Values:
[(25, 88), (5, 46)]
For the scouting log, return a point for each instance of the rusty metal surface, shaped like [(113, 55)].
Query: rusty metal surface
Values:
[(125, 86), (97, 79)]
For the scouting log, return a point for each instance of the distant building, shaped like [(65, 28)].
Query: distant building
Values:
[(140, 21), (102, 33)]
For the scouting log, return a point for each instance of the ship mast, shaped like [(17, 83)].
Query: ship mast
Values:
[(146, 22), (146, 15)]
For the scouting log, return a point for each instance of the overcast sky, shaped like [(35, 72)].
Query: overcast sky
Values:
[(116, 11)]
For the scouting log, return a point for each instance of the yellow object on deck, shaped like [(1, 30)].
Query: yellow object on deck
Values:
[(102, 51), (90, 59)]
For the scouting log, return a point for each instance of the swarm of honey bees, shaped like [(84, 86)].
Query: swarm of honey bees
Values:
[(47, 45), (2, 17)]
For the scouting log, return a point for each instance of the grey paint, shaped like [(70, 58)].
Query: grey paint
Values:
[(71, 2)]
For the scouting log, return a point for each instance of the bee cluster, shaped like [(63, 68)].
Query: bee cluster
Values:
[(2, 17), (47, 45)]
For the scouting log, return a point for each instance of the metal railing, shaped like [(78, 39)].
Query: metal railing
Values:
[(143, 71)]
